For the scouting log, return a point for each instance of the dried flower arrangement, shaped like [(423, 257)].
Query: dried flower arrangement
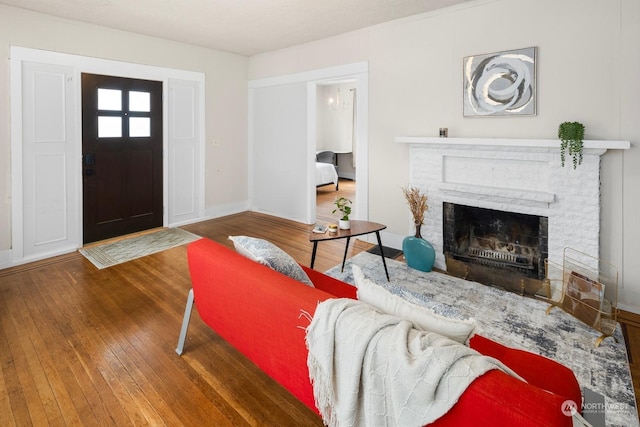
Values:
[(417, 201)]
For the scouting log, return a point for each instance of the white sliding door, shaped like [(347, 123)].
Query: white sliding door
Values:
[(49, 169), (282, 141), (279, 157)]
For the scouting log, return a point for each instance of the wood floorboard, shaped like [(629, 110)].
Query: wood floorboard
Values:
[(82, 346), (12, 364), (29, 378), (78, 314), (58, 402)]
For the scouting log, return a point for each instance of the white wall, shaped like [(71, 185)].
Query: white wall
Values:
[(335, 122), (588, 68), (226, 96)]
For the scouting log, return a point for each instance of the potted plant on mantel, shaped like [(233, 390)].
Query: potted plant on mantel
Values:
[(343, 205), (418, 252), (571, 134)]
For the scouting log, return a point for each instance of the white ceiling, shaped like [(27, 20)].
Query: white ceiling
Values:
[(245, 27)]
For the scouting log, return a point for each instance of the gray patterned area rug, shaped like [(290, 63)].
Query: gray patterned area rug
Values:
[(109, 254), (518, 322)]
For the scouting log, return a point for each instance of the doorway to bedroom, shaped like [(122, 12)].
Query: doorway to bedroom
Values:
[(335, 145)]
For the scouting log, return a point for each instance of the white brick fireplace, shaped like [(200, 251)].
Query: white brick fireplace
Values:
[(512, 175)]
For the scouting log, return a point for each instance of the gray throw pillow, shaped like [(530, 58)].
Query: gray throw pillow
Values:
[(266, 253)]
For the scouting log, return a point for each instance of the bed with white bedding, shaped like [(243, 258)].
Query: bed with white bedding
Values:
[(326, 174)]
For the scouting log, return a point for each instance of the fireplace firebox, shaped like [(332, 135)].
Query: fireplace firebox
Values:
[(497, 248)]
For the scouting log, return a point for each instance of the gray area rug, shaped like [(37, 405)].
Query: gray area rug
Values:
[(109, 254), (517, 322)]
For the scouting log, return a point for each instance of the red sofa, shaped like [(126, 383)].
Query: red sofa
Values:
[(258, 311)]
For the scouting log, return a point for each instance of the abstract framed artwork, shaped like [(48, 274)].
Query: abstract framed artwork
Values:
[(500, 84)]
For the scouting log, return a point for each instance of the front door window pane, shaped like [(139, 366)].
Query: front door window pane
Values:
[(109, 127), (139, 101), (139, 127), (109, 99)]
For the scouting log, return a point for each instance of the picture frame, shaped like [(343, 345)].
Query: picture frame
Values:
[(500, 83)]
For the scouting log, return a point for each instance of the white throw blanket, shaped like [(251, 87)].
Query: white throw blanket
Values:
[(372, 369)]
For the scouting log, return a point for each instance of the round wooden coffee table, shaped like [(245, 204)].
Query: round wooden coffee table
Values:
[(358, 228)]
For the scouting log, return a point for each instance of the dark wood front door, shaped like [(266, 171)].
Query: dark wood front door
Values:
[(121, 156)]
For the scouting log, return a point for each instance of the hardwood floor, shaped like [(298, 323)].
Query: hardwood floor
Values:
[(81, 346), (84, 346), (631, 329)]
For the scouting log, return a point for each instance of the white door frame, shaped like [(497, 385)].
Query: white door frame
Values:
[(96, 66), (358, 71)]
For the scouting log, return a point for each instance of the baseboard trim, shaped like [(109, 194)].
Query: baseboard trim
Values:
[(347, 175), (391, 240), (5, 258), (630, 309), (39, 257), (226, 209)]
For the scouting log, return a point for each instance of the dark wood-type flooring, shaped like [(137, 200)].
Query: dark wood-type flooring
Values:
[(82, 346)]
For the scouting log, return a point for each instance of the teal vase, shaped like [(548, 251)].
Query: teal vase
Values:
[(418, 253)]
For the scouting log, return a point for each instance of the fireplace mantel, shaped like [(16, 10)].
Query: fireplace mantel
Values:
[(509, 143), (512, 175)]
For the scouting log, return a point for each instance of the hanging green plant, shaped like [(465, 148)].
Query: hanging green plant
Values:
[(571, 135)]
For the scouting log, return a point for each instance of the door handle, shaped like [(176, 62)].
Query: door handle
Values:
[(89, 159)]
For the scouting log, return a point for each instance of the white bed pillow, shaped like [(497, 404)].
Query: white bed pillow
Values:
[(421, 317), (268, 254)]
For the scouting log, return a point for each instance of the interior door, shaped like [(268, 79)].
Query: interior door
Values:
[(121, 156)]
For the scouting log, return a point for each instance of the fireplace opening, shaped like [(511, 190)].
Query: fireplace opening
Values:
[(497, 248)]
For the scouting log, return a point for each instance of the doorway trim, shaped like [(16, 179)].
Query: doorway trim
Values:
[(81, 64), (358, 71)]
